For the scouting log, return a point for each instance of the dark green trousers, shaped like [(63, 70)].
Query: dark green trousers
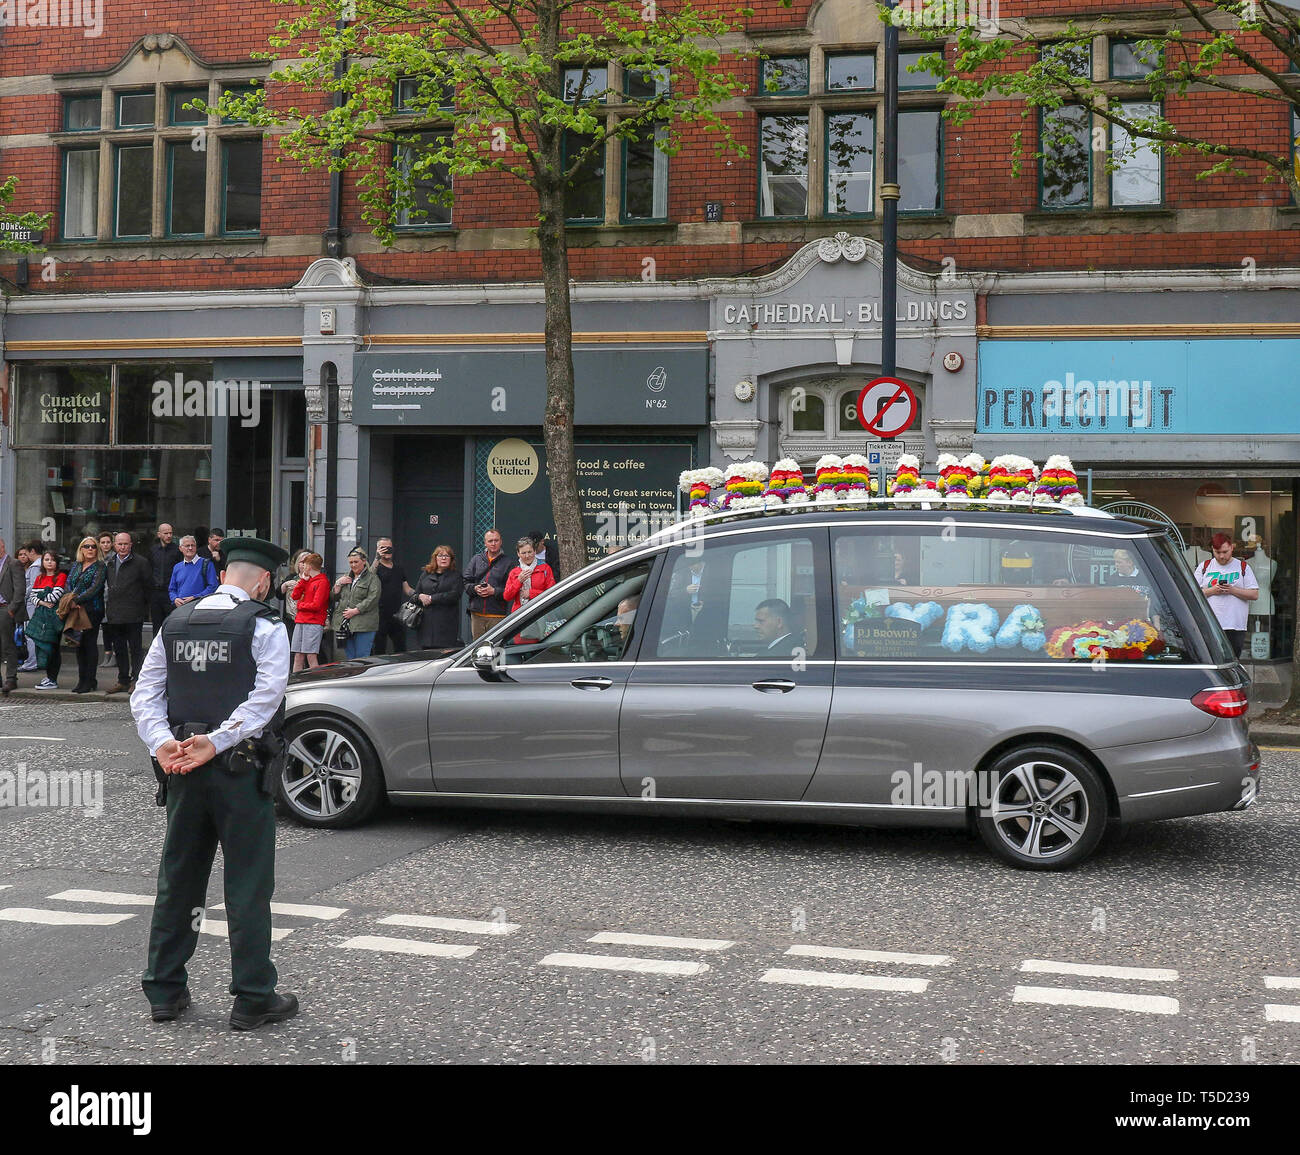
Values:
[(206, 807)]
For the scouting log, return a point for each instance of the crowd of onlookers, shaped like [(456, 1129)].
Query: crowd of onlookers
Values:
[(109, 589)]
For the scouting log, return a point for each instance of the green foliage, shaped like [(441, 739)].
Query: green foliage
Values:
[(37, 221), (505, 63), (1192, 45)]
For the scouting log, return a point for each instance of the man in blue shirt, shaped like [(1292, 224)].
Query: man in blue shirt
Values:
[(192, 576)]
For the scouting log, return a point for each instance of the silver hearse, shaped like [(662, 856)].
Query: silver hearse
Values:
[(1032, 674)]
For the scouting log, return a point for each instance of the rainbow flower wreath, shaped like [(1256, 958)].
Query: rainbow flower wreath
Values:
[(970, 625), (832, 481), (1023, 626), (860, 482), (785, 486), (1133, 640), (959, 480), (1058, 483), (699, 483), (744, 484), (1011, 479), (906, 475)]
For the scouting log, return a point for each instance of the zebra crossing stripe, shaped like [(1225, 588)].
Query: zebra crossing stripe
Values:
[(301, 910), (844, 981), (219, 929), (1281, 983), (60, 917), (459, 925), (106, 897), (609, 962), (409, 946), (618, 938), (1281, 1013), (1098, 971), (875, 956), (1111, 1000)]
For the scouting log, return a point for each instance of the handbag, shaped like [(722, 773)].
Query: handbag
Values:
[(410, 614), (66, 603)]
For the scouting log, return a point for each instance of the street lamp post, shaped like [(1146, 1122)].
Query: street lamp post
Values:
[(889, 203)]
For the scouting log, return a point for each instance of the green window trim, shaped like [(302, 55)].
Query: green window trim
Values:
[(236, 90), (1087, 205), (833, 56), (119, 97), (598, 159), (662, 82), (912, 81), (826, 164), (225, 188), (1064, 45), (1130, 44), (624, 218), (79, 97), (401, 106), (176, 97), (63, 196), (427, 225), (117, 185), (172, 148)]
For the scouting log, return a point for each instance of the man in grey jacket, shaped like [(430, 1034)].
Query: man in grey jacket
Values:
[(13, 612), (127, 592)]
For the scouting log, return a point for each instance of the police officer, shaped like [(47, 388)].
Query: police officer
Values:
[(209, 704)]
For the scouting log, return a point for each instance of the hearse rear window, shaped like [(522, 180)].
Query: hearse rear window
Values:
[(959, 593)]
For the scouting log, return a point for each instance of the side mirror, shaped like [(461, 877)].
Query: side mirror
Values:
[(485, 661)]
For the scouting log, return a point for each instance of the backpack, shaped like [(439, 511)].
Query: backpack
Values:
[(1205, 565)]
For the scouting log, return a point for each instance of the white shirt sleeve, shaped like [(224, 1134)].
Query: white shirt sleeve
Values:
[(149, 698), (271, 653)]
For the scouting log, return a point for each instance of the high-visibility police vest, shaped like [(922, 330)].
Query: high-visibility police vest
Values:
[(210, 666)]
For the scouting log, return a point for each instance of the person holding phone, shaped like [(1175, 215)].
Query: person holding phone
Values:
[(1229, 584)]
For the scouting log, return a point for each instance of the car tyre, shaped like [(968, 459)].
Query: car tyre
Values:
[(1046, 809), (332, 777)]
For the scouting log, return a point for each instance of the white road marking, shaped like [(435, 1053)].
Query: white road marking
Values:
[(610, 962), (27, 738), (876, 956), (107, 897), (60, 917), (1278, 1013), (409, 946), (1280, 983), (305, 911), (1093, 971), (214, 926), (618, 938), (845, 981), (461, 925), (1067, 997), (7, 886)]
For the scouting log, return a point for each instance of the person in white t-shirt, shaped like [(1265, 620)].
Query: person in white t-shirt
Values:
[(1229, 584)]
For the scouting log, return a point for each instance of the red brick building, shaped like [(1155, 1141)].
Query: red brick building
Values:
[(221, 263)]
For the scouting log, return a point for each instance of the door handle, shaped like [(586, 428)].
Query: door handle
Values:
[(592, 683), (775, 686)]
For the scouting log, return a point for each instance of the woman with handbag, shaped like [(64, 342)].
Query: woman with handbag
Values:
[(438, 592), (356, 617), (45, 627), (86, 588)]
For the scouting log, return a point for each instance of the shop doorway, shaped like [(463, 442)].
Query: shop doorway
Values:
[(428, 499)]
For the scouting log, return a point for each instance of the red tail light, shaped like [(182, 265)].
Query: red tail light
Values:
[(1221, 703)]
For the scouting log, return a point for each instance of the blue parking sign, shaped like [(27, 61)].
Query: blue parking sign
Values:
[(873, 458)]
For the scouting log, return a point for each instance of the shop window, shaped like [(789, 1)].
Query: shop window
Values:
[(850, 148), (133, 191), (241, 202), (922, 77), (999, 597), (80, 194), (424, 204), (135, 110), (187, 172), (920, 142), (783, 166), (784, 76), (110, 445), (645, 175), (586, 203), (1065, 170), (1137, 180), (1133, 59), (81, 113), (850, 71)]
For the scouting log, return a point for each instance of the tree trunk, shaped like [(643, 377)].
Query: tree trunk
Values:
[(557, 424)]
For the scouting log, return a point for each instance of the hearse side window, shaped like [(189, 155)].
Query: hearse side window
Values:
[(739, 599), (593, 624), (957, 593)]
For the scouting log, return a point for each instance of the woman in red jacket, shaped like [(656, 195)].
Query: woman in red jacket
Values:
[(312, 593), (528, 579)]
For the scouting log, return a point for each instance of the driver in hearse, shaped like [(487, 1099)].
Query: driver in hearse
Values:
[(774, 620)]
